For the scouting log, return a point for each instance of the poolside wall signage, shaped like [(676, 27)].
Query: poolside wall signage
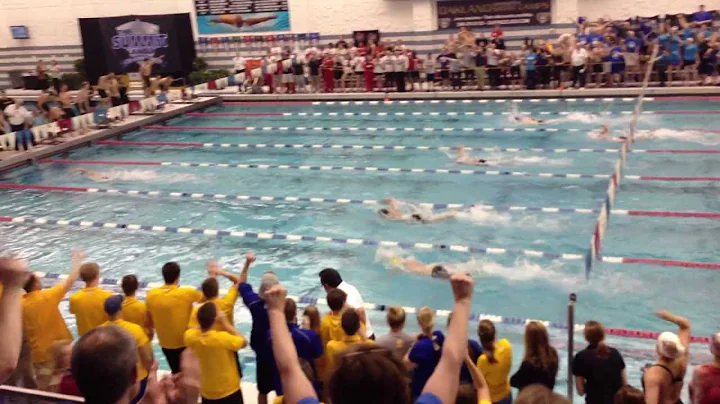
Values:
[(488, 13), (120, 44)]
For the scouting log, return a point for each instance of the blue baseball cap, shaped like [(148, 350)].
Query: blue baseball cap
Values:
[(113, 304)]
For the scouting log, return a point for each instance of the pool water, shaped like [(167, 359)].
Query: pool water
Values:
[(617, 295)]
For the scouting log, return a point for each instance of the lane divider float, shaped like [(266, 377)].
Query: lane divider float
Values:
[(430, 113), (369, 169), (472, 249), (387, 147), (342, 201), (481, 101)]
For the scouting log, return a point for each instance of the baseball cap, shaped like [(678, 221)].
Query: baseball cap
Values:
[(113, 304), (669, 345), (267, 281)]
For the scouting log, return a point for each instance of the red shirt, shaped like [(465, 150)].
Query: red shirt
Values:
[(497, 32), (68, 386), (362, 50), (328, 63), (369, 67)]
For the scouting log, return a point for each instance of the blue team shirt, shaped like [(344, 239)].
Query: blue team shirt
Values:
[(309, 347), (690, 52), (426, 357), (616, 55), (707, 33), (633, 45), (688, 33), (584, 38), (664, 40), (673, 43), (260, 323), (702, 16), (530, 60)]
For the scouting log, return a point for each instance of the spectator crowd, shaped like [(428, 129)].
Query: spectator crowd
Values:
[(305, 357), (600, 54)]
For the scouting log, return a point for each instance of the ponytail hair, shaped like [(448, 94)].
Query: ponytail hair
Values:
[(595, 335), (486, 333)]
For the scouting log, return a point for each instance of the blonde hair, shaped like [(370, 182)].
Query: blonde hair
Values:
[(426, 319), (396, 317), (89, 271)]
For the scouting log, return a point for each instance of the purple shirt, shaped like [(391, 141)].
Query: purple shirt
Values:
[(260, 325)]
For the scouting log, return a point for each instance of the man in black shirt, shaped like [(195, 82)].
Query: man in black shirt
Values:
[(314, 65), (480, 63)]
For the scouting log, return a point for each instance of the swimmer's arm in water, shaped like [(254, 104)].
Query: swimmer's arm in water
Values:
[(393, 211), (441, 216)]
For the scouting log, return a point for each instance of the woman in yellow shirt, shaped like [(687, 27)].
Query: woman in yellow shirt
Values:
[(495, 363)]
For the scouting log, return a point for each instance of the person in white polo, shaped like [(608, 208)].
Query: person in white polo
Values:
[(331, 279), (17, 116)]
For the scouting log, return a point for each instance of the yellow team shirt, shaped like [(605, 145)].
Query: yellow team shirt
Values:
[(336, 347), (42, 322), (225, 304), (134, 311), (88, 306), (219, 375), (170, 307), (496, 374), (141, 339)]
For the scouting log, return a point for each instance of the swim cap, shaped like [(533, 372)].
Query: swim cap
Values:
[(417, 217), (669, 345), (439, 271)]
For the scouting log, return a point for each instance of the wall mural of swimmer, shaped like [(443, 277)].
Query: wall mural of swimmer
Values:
[(240, 23)]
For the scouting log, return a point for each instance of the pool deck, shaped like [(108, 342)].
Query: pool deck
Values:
[(231, 94), (73, 140)]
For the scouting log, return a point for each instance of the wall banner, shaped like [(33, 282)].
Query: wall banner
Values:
[(488, 13), (241, 16)]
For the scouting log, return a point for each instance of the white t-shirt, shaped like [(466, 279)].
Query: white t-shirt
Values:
[(359, 61), (355, 301), (239, 63), (401, 63), (388, 63), (578, 57), (16, 115)]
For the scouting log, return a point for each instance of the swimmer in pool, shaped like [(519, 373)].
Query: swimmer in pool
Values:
[(393, 213), (604, 134), (528, 120), (464, 158), (434, 270), (93, 175)]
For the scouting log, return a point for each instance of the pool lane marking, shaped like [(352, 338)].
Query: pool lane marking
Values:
[(385, 147), (472, 249), (533, 129), (434, 113), (372, 202), (370, 169), (355, 129), (309, 299), (329, 168), (481, 101)]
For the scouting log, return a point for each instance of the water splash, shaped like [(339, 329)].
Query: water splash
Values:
[(707, 139)]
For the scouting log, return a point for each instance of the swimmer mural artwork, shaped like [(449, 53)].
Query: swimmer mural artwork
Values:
[(236, 16)]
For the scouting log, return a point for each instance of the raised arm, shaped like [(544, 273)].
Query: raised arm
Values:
[(295, 384), (214, 270), (13, 274), (478, 380), (444, 381), (78, 256), (682, 323), (249, 259)]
